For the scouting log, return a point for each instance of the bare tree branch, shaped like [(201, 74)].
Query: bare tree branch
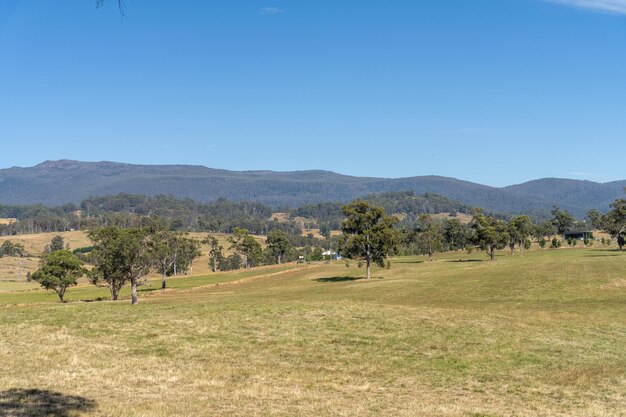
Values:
[(120, 4)]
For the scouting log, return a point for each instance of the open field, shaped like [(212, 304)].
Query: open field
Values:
[(538, 335)]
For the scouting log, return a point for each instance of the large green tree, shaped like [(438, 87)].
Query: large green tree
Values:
[(429, 235), (456, 234), (59, 270), (174, 253), (490, 233), (519, 228), (279, 245), (246, 246), (563, 220), (121, 256), (368, 234)]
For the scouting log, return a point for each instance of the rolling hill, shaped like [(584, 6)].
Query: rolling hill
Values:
[(63, 181)]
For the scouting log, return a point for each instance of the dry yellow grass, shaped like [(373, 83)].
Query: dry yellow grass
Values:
[(280, 217), (5, 221), (462, 217), (35, 243), (539, 335)]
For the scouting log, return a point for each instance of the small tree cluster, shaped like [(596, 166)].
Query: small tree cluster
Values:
[(613, 222), (9, 248)]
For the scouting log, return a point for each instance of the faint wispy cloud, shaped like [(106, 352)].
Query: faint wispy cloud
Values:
[(460, 131), (608, 6), (271, 10)]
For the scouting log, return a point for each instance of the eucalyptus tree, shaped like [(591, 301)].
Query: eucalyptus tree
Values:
[(490, 233), (121, 256), (563, 220), (368, 234), (519, 229), (216, 252), (456, 234), (278, 245), (246, 246), (58, 271), (174, 252), (429, 235), (613, 222)]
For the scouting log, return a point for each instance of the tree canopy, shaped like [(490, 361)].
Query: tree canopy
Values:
[(368, 234), (59, 270)]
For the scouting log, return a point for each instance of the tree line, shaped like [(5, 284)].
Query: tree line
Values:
[(121, 256), (221, 216)]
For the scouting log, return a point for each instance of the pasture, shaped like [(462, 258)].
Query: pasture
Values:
[(542, 334)]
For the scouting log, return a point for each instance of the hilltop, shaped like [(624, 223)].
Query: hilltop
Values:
[(63, 181)]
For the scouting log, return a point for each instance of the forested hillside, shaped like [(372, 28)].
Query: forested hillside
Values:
[(59, 182), (133, 210)]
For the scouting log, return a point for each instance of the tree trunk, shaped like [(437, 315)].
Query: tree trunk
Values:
[(279, 259), (163, 281), (114, 292), (133, 292), (368, 269), (215, 264), (492, 253)]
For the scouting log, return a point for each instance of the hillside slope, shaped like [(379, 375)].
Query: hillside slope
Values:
[(59, 182)]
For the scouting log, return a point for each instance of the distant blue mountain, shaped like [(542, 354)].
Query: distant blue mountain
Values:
[(64, 181)]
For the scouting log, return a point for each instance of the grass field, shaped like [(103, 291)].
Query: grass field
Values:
[(538, 335)]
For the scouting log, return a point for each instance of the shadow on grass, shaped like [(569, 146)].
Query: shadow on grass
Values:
[(460, 261), (36, 402), (339, 279), (409, 262)]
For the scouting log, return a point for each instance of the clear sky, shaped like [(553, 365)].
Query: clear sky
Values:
[(492, 91)]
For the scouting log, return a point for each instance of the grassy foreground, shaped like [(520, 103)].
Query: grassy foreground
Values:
[(538, 335)]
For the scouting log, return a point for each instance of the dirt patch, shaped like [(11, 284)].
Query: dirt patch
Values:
[(618, 283)]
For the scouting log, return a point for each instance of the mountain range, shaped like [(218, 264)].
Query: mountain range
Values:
[(65, 181)]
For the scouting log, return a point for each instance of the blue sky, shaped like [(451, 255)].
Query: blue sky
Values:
[(492, 91)]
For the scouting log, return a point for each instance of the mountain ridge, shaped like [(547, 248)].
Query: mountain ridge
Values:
[(56, 182)]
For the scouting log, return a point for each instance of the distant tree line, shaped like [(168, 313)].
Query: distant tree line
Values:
[(121, 256), (221, 216)]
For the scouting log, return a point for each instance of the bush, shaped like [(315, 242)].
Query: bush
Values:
[(556, 243), (542, 242), (230, 263)]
